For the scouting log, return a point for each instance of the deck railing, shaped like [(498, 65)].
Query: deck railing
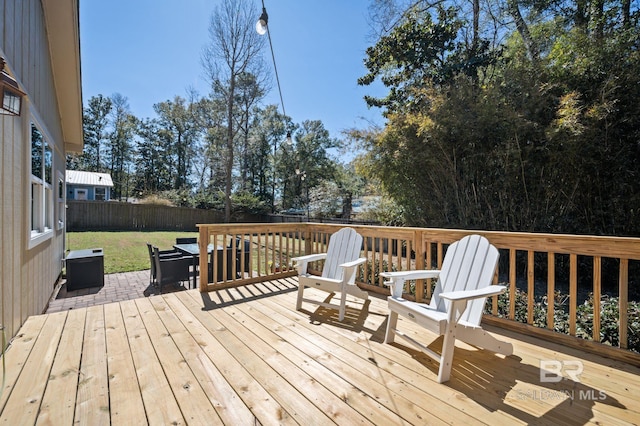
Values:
[(555, 282)]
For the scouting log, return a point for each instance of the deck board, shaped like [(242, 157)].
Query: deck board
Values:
[(63, 380), (244, 356), (32, 382), (221, 394), (160, 405), (125, 398), (92, 403)]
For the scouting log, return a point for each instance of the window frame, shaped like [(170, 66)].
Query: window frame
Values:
[(78, 191), (61, 203), (102, 191), (41, 196)]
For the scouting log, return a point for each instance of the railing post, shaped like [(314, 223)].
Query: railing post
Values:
[(203, 242)]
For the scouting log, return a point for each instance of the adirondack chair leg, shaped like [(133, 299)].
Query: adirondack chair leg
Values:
[(343, 306), (300, 294), (391, 327), (446, 358)]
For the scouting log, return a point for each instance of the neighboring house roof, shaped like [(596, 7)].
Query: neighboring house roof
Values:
[(61, 18), (76, 177)]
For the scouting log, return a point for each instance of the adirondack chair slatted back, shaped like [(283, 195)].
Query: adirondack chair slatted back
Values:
[(344, 246), (468, 264)]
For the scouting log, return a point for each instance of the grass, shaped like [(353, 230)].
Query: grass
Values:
[(124, 251)]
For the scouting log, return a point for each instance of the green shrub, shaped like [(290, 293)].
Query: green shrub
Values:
[(246, 202), (609, 316)]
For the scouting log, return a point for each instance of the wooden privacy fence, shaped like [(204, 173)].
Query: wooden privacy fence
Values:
[(100, 215), (539, 269)]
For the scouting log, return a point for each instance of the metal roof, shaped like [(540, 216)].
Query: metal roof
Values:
[(76, 177)]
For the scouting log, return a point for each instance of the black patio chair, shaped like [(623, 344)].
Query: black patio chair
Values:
[(171, 269), (162, 253), (245, 251), (219, 253)]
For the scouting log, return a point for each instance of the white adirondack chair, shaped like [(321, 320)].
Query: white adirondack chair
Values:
[(456, 306), (339, 272)]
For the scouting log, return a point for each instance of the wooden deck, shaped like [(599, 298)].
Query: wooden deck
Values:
[(244, 356)]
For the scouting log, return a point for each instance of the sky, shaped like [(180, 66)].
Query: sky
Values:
[(149, 51)]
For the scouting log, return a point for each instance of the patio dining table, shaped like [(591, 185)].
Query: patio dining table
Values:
[(193, 250)]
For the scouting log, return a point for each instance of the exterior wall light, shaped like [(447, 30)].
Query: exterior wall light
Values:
[(10, 93)]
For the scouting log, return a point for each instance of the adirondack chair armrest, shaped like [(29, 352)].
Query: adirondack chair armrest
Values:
[(303, 261), (353, 263), (310, 257), (397, 278), (491, 290), (349, 268)]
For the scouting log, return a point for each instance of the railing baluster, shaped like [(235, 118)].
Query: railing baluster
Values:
[(623, 301), (597, 293), (530, 285), (259, 253), (573, 292), (512, 284), (551, 282), (424, 263)]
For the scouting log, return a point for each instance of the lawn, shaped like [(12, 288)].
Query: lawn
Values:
[(124, 251)]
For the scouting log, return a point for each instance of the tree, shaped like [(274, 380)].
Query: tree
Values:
[(121, 144), (95, 121), (349, 184), (177, 120), (234, 50), (547, 142), (268, 132), (210, 113), (425, 48), (250, 92), (152, 168), (309, 155)]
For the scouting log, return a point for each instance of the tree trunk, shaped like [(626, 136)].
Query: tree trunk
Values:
[(626, 13), (523, 30), (597, 19), (229, 165)]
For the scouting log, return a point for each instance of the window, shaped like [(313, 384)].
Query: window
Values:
[(81, 194), (41, 187), (61, 201), (101, 194)]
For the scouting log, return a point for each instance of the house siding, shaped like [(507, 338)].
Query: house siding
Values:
[(91, 192), (28, 274)]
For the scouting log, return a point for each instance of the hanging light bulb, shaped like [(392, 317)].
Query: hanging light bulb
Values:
[(288, 140), (261, 25)]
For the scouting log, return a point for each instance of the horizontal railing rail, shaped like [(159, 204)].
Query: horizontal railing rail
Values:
[(570, 288)]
